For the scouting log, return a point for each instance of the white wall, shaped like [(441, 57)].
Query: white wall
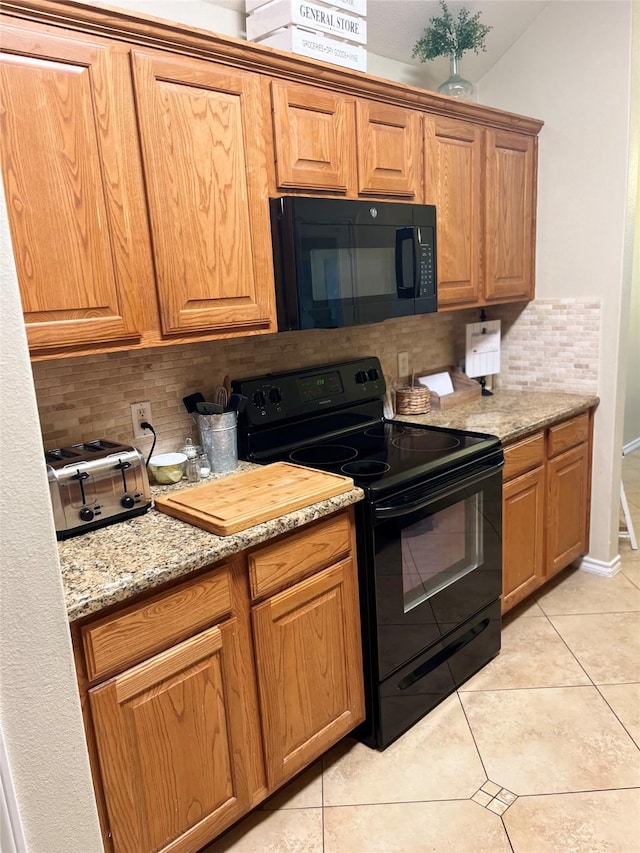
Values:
[(571, 68), (196, 13), (631, 431), (40, 713)]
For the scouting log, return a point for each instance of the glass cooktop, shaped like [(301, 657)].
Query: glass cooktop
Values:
[(391, 452)]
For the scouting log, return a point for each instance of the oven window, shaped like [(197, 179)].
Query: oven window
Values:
[(440, 549)]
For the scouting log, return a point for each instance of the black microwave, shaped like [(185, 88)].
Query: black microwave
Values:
[(340, 262)]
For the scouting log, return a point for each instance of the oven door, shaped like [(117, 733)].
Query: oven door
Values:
[(437, 562)]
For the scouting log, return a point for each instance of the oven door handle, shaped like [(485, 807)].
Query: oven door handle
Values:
[(396, 510)]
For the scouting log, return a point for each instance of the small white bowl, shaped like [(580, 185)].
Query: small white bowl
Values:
[(167, 468)]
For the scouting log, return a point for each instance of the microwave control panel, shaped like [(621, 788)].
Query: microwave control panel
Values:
[(427, 272)]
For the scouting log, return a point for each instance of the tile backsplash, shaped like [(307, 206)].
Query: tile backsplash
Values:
[(546, 344), (553, 344), (89, 397)]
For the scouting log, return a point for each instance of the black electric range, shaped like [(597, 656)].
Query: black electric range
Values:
[(429, 530)]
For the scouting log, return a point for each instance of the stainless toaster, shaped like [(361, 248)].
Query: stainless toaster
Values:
[(96, 483)]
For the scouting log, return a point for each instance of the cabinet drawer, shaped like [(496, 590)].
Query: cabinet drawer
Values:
[(523, 456), (116, 642), (275, 566), (568, 434)]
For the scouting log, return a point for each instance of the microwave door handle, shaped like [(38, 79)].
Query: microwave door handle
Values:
[(402, 236)]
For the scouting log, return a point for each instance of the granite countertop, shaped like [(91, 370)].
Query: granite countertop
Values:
[(125, 559), (129, 557), (508, 414)]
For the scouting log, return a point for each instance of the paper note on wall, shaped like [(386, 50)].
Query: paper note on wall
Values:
[(483, 348)]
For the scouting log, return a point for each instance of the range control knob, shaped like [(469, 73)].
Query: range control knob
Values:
[(361, 377), (259, 399), (373, 374), (127, 502), (275, 395), (86, 514)]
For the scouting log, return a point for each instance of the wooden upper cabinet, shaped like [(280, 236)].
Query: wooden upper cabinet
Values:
[(69, 165), (203, 141), (314, 137), (172, 747), (510, 195), (453, 182), (389, 150)]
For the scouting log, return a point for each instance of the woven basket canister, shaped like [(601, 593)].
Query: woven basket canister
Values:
[(412, 400)]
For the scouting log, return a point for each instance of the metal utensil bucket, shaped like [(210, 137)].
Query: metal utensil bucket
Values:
[(219, 440)]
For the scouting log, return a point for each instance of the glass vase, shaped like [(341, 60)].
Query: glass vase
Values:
[(456, 86)]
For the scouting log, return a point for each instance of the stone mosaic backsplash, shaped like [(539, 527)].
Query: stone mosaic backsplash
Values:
[(89, 397), (552, 344), (546, 344)]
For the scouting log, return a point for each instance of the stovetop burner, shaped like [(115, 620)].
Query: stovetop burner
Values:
[(365, 468), (381, 430), (326, 455), (419, 440)]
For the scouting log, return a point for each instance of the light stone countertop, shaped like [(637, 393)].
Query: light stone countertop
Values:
[(120, 561), (510, 415)]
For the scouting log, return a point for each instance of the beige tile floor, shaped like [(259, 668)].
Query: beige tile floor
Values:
[(540, 751)]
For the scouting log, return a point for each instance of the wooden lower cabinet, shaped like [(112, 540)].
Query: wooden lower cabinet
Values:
[(568, 504), (183, 721), (171, 744), (545, 506), (309, 667), (523, 537)]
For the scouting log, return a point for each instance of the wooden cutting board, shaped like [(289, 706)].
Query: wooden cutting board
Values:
[(234, 503)]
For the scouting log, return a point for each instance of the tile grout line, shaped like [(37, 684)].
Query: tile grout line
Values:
[(548, 687), (322, 799), (571, 652), (473, 737), (633, 740)]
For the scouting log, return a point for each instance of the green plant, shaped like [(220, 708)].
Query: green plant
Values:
[(444, 36)]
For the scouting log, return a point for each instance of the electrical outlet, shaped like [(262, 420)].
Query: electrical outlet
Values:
[(403, 365), (140, 412)]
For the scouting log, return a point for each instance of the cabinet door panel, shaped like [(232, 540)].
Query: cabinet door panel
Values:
[(64, 156), (171, 745), (202, 133), (388, 147), (510, 216), (567, 507), (523, 537), (309, 664), (453, 167), (314, 138)]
